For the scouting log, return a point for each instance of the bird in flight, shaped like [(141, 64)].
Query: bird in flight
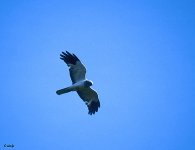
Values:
[(79, 82)]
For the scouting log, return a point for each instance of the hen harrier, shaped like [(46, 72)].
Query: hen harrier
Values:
[(79, 83)]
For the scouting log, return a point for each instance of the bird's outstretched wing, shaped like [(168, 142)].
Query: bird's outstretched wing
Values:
[(77, 69), (90, 97)]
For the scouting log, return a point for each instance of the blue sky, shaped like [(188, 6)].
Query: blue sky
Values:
[(139, 54)]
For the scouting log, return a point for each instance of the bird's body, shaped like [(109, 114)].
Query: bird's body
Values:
[(79, 83), (74, 87)]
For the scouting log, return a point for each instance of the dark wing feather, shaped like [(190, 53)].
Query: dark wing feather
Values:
[(77, 69), (90, 97)]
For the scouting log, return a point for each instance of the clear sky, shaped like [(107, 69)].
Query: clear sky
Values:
[(139, 54)]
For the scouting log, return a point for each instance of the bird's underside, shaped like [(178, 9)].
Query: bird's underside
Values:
[(79, 83)]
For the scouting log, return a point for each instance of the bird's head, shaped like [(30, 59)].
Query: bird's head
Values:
[(88, 83)]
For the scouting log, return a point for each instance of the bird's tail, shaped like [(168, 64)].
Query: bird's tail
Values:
[(64, 90)]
